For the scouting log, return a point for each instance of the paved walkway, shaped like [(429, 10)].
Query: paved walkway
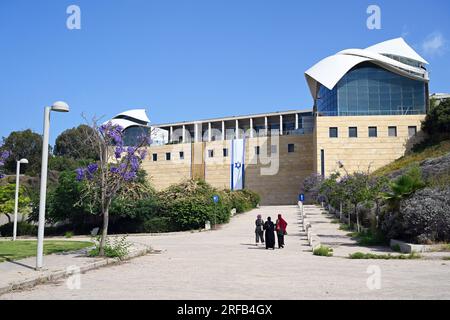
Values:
[(343, 245), (226, 264), (331, 236)]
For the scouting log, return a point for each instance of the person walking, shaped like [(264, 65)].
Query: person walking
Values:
[(269, 227), (281, 225), (259, 223)]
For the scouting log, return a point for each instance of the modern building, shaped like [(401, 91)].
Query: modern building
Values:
[(368, 106), (367, 110), (135, 123), (439, 97), (269, 153)]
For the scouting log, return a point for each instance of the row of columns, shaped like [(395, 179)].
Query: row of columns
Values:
[(197, 131)]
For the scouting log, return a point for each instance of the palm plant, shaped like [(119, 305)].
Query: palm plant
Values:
[(402, 187)]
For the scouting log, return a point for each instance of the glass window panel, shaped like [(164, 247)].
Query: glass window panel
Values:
[(333, 132), (392, 131), (353, 132), (372, 132), (369, 89)]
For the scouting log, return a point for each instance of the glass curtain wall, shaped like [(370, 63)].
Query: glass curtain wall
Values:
[(371, 90)]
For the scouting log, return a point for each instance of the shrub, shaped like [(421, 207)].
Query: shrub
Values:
[(360, 255), (68, 234), (23, 229), (437, 120), (159, 224), (242, 200), (370, 238), (190, 204), (118, 248), (323, 251), (403, 186), (311, 186), (425, 217)]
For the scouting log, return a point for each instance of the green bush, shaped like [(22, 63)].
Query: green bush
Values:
[(370, 238), (360, 255), (23, 229), (323, 251), (190, 204), (159, 224), (243, 200), (118, 248), (437, 121), (68, 234)]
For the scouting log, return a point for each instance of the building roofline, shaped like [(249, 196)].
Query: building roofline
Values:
[(256, 115)]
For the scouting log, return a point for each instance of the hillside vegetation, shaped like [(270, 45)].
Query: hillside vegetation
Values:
[(408, 199), (415, 158)]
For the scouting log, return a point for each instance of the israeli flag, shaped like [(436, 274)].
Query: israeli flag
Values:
[(237, 164)]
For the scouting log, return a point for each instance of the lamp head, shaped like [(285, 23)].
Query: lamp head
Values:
[(24, 161), (60, 106)]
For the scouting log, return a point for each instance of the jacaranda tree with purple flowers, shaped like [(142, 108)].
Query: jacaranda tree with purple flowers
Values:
[(3, 156), (117, 166)]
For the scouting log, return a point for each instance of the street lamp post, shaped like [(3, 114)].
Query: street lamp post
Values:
[(59, 106), (16, 200)]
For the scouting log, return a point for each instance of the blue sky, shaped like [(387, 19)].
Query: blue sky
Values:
[(186, 60)]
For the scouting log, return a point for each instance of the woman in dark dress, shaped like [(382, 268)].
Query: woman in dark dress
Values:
[(269, 227)]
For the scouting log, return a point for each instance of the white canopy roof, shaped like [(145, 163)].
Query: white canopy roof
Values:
[(139, 114), (397, 47), (126, 118), (330, 70)]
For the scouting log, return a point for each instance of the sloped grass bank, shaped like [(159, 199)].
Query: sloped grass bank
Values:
[(437, 150)]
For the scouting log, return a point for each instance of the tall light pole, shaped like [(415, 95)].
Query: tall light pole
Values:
[(59, 106), (16, 201)]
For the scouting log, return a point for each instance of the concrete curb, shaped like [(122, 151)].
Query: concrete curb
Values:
[(410, 247), (312, 238), (61, 274)]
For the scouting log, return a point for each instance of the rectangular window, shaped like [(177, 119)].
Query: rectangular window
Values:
[(333, 132), (273, 149), (167, 156), (210, 153), (373, 132), (412, 131), (225, 152), (353, 132), (392, 131), (291, 147), (257, 150), (155, 157), (181, 155)]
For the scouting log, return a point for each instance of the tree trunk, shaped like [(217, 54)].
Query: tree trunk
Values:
[(340, 211), (357, 219), (9, 218), (104, 231)]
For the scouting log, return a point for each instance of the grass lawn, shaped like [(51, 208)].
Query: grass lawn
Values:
[(15, 250)]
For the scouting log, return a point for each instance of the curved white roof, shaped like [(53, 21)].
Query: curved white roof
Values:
[(397, 47), (330, 70), (129, 118), (139, 114)]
